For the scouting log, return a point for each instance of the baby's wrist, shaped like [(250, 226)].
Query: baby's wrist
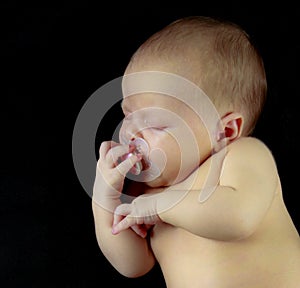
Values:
[(108, 205), (107, 201)]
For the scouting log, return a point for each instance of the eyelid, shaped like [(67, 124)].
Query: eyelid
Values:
[(160, 128), (154, 125)]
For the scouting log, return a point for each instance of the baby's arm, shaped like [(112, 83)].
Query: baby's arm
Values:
[(241, 199), (245, 192), (127, 252)]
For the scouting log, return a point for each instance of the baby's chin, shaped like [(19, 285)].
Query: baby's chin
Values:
[(170, 179), (157, 182), (160, 182)]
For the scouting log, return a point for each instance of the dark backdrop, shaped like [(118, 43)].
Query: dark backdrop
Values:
[(56, 55)]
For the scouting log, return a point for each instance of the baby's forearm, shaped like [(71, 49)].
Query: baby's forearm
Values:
[(216, 218), (127, 252)]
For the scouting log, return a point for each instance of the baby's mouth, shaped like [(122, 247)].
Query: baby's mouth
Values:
[(145, 164), (145, 170), (141, 147)]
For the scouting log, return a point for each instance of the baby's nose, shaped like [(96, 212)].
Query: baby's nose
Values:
[(128, 135), (131, 130)]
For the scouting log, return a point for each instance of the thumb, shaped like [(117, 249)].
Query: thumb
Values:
[(127, 164)]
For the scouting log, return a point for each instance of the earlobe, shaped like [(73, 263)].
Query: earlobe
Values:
[(232, 124)]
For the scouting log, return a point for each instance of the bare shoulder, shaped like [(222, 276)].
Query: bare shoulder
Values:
[(251, 149), (250, 159), (249, 143)]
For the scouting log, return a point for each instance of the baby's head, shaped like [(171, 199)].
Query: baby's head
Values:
[(219, 58)]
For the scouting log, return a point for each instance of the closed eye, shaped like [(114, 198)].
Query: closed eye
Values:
[(159, 128)]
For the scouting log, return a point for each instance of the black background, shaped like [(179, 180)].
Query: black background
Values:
[(56, 54)]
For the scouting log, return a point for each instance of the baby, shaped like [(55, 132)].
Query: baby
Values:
[(204, 199)]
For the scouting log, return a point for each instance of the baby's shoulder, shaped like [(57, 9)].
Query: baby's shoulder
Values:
[(251, 152), (248, 147), (249, 162)]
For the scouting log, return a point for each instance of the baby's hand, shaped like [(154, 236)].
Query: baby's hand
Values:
[(110, 173), (139, 215)]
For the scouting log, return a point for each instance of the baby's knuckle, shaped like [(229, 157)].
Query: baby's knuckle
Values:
[(118, 210), (115, 178), (104, 144), (139, 220)]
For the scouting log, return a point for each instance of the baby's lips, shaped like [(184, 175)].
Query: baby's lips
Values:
[(142, 146), (139, 147)]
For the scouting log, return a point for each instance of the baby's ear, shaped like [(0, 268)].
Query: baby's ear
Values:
[(232, 124)]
